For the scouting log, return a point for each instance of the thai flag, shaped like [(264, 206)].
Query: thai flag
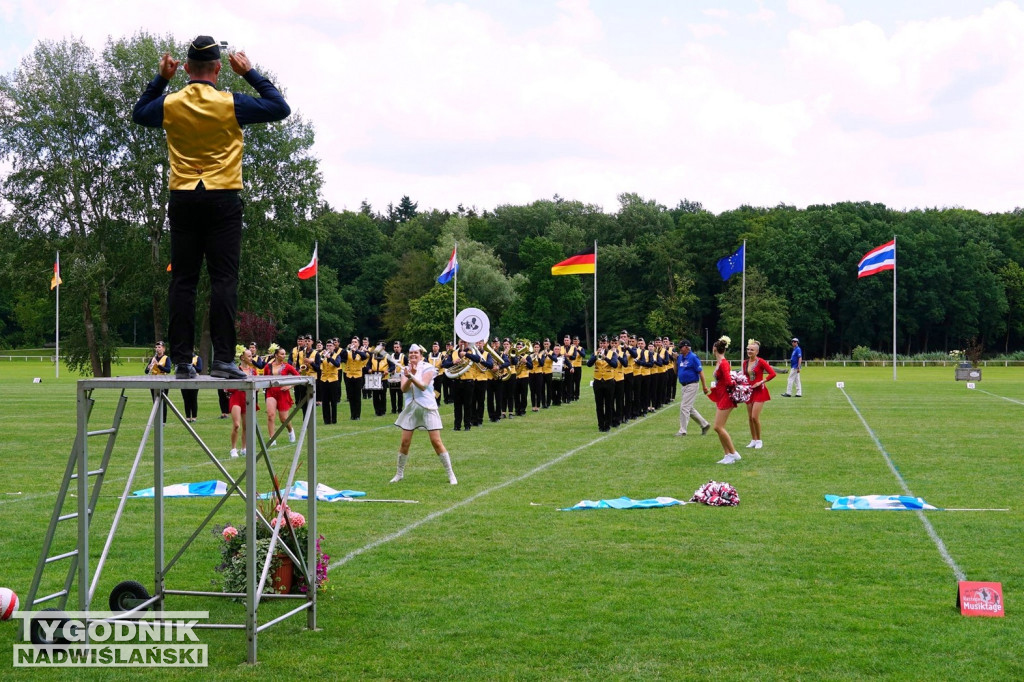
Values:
[(449, 270), (878, 259)]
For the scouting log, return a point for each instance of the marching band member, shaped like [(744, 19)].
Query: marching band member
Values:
[(321, 390), (327, 364), (367, 394), (546, 370), (559, 375), (604, 363), (307, 367), (622, 361), (533, 362), (508, 394), (257, 361), (756, 369), (435, 358), (237, 402), (420, 412), (671, 358), (190, 396), (159, 365), (522, 378), (279, 398), (644, 376), (297, 358), (629, 350), (446, 383), (395, 383), (480, 373), (495, 386), (462, 386), (579, 356), (382, 365), (354, 359)]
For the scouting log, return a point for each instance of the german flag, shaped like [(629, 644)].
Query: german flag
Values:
[(583, 263)]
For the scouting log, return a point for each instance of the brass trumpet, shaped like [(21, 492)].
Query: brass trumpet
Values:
[(501, 373)]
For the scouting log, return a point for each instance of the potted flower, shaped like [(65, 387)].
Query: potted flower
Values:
[(284, 578)]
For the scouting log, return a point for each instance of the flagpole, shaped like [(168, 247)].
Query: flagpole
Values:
[(455, 295), (57, 334), (894, 308), (743, 305), (316, 284), (595, 296)]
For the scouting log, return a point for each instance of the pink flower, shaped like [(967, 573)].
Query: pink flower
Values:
[(297, 519), (229, 533), (278, 507)]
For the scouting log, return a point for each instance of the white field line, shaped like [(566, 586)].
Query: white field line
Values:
[(957, 571), (1002, 397), (472, 498)]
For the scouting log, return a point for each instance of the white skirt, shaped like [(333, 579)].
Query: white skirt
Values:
[(415, 416)]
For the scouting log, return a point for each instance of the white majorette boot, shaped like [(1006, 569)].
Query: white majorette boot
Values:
[(758, 444), (446, 461), (401, 468), (752, 444), (291, 436)]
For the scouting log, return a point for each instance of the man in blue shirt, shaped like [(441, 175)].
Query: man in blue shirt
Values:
[(689, 371), (796, 361)]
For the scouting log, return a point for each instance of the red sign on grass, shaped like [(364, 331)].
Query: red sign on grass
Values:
[(980, 599)]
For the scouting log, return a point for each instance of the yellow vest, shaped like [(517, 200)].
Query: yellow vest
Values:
[(204, 140), (545, 362), (328, 372), (620, 371), (602, 370), (577, 361), (353, 365), (379, 366)]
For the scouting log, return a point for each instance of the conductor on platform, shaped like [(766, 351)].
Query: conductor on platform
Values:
[(204, 146)]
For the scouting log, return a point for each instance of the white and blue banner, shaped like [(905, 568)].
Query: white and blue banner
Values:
[(626, 503), (877, 503), (299, 491)]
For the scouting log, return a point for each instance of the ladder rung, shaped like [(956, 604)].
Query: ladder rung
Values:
[(49, 597), (66, 555), (72, 515), (95, 472), (102, 432)]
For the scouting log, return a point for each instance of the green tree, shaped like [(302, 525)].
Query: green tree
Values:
[(767, 315)]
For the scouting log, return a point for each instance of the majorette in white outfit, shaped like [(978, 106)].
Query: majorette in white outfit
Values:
[(420, 412)]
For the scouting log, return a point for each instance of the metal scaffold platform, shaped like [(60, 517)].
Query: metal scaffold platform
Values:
[(78, 472)]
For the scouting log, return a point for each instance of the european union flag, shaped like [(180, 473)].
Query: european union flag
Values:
[(730, 265)]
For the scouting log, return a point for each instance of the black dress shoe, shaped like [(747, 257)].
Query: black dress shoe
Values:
[(185, 370), (226, 370)]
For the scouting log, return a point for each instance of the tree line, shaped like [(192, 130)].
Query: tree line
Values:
[(77, 176)]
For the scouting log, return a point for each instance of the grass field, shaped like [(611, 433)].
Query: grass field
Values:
[(500, 585)]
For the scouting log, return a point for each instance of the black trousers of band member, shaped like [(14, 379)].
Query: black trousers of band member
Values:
[(638, 386), (354, 393), (522, 391), (626, 412), (643, 393), (672, 384), (300, 394), (495, 399), (546, 393), (447, 388), (536, 389), (577, 378), (462, 395), (321, 390), (479, 402), (604, 398), (331, 397), (395, 390), (568, 383), (555, 392), (380, 401), (618, 412), (156, 396), (190, 399), (664, 388), (225, 400), (204, 225), (508, 395)]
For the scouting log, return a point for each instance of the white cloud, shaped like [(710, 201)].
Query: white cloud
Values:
[(816, 12), (704, 30)]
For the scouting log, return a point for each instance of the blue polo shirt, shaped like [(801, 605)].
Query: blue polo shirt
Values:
[(689, 368), (794, 359)]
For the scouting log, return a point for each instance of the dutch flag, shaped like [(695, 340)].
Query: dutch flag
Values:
[(449, 270), (878, 259)]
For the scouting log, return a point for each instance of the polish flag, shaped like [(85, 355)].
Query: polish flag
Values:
[(309, 270)]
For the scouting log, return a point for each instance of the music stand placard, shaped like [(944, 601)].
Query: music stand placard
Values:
[(980, 599)]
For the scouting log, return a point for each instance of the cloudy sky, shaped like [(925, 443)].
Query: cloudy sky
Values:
[(487, 102)]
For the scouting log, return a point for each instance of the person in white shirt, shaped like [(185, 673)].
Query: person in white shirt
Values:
[(420, 412)]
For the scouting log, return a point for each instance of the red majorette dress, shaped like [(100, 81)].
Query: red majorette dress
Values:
[(282, 394), (723, 380), (759, 394), (238, 397)]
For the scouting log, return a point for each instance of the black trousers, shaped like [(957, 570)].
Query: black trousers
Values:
[(462, 393), (380, 401), (156, 397), (618, 412), (353, 391), (495, 399), (190, 398), (225, 400), (331, 397), (577, 378), (546, 393), (536, 389), (522, 390), (604, 398), (396, 397), (204, 225), (555, 389), (479, 402)]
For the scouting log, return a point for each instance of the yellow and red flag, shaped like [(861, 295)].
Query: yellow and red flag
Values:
[(583, 263)]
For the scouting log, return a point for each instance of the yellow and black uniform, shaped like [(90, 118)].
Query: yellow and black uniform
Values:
[(622, 363), (522, 381), (544, 358), (536, 368), (328, 363), (354, 362), (395, 386), (379, 396), (204, 148), (480, 374), (462, 388), (159, 365), (576, 356), (604, 364)]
